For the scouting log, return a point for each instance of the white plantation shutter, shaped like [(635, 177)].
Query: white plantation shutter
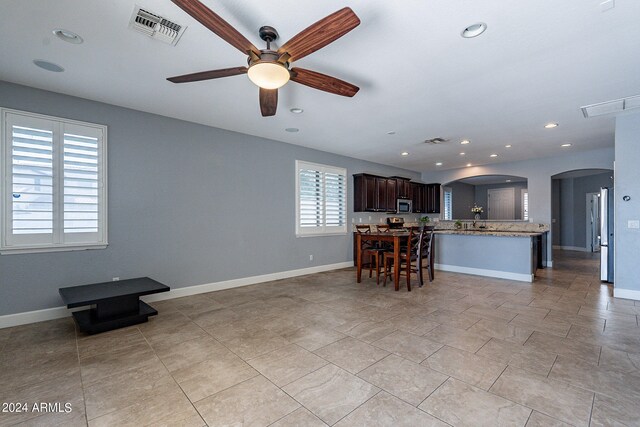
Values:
[(54, 183), (335, 199), (32, 184), (448, 203), (525, 205), (321, 205)]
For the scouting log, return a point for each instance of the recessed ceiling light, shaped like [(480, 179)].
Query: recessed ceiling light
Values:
[(462, 154), (404, 153), (508, 180), (391, 132), (468, 164), (474, 30), (297, 110), (67, 36), (465, 142), (292, 130), (566, 145), (550, 125), (439, 164), (507, 146), (493, 155), (49, 66)]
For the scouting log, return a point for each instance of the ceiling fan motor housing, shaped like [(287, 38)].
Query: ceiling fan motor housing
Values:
[(268, 33)]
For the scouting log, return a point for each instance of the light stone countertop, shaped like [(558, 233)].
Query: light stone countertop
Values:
[(488, 232)]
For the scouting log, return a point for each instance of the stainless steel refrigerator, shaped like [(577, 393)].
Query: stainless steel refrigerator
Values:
[(606, 234)]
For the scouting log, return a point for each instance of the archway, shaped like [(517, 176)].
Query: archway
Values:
[(575, 208)]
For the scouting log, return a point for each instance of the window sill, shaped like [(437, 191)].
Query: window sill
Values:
[(322, 234), (35, 250)]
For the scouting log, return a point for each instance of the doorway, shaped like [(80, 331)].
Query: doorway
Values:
[(574, 208), (501, 203)]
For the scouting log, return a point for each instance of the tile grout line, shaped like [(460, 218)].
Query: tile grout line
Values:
[(84, 397), (593, 404), (496, 380), (173, 378), (552, 365), (354, 409)]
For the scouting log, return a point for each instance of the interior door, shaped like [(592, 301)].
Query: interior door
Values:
[(501, 203)]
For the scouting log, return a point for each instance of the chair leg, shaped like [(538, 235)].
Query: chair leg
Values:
[(386, 272), (420, 280), (378, 256), (408, 275), (370, 265)]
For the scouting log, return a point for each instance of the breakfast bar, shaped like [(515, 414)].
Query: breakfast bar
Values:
[(503, 254)]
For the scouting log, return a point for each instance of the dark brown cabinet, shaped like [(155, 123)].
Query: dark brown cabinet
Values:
[(374, 193), (387, 193), (418, 198), (433, 198), (403, 187)]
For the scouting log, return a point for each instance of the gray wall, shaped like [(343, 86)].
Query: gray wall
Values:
[(188, 205), (538, 173), (627, 183), (555, 211), (462, 198), (567, 214)]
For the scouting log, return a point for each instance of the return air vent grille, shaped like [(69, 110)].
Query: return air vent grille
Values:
[(436, 141), (155, 26), (611, 107)]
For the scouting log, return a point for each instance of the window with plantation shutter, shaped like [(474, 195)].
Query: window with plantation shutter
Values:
[(321, 199), (54, 184), (448, 203)]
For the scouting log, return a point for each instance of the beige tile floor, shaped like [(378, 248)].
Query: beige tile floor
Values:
[(322, 350)]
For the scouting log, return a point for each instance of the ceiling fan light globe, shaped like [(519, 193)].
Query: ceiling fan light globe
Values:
[(268, 75)]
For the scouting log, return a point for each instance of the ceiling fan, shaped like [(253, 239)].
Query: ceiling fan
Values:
[(267, 68)]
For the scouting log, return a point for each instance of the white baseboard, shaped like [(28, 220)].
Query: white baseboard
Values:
[(16, 319), (571, 248), (487, 273), (626, 293)]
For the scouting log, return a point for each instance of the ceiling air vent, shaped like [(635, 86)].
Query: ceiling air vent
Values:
[(611, 107), (155, 26), (436, 141)]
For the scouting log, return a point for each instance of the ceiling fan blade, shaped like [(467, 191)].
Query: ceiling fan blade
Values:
[(323, 82), (268, 102), (208, 75), (215, 23), (321, 34)]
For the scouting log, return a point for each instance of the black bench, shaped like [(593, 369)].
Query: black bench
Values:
[(113, 304)]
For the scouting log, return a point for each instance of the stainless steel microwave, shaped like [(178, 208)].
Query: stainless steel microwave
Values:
[(403, 206)]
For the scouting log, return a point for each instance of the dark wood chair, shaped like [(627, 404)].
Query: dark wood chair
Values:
[(371, 249), (408, 255), (383, 228), (425, 248)]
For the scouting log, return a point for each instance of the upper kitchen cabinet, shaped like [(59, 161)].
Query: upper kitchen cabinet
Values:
[(374, 193), (433, 198), (403, 187), (418, 197)]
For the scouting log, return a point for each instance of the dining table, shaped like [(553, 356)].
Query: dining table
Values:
[(394, 237)]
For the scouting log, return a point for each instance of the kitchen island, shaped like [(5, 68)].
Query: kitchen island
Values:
[(506, 254)]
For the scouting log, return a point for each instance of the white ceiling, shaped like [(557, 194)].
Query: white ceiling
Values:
[(538, 62)]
